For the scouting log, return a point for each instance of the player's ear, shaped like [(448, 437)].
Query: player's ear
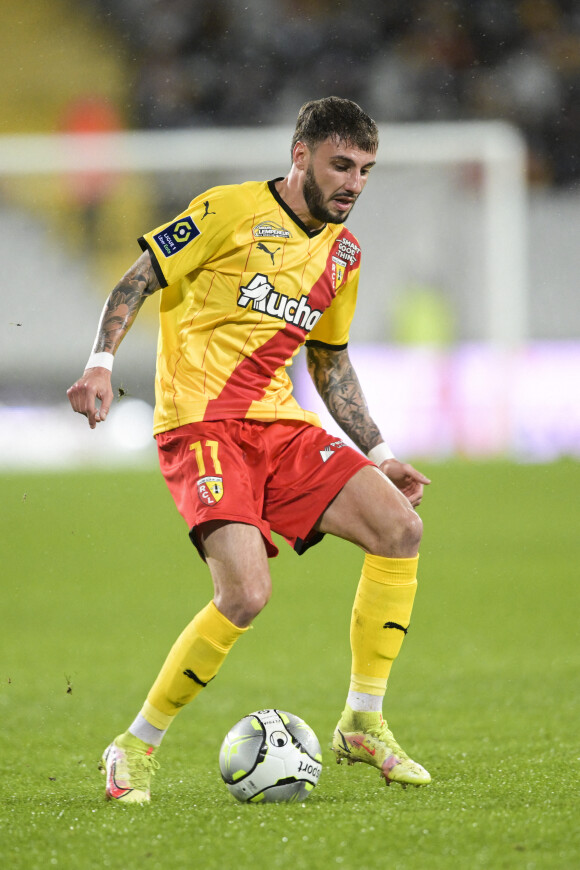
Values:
[(300, 155)]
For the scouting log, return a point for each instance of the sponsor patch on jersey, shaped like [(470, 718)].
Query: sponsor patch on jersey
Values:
[(210, 490), (270, 230), (259, 295), (176, 236), (338, 267), (348, 250)]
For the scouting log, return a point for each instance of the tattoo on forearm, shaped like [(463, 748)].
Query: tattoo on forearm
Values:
[(124, 303), (339, 387)]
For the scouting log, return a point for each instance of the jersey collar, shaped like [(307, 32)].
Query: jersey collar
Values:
[(290, 213)]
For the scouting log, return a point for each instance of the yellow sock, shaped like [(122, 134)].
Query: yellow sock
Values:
[(380, 619), (194, 660)]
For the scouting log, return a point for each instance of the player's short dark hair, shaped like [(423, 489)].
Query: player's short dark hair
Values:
[(335, 118)]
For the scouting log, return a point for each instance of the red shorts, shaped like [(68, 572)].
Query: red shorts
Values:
[(277, 476)]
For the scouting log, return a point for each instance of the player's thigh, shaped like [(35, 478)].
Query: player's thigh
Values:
[(216, 471), (309, 469), (371, 512), (237, 559)]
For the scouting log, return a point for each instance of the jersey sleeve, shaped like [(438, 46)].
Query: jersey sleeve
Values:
[(334, 326), (183, 245)]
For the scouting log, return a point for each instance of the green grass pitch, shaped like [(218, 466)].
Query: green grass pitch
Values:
[(98, 578)]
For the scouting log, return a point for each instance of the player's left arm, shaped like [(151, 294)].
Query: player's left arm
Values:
[(338, 385)]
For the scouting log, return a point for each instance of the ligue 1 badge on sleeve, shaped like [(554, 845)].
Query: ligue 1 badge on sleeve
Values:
[(176, 236)]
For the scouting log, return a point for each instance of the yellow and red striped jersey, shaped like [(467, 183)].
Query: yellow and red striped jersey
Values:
[(245, 284)]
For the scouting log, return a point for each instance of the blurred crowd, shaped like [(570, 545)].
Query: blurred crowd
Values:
[(238, 62)]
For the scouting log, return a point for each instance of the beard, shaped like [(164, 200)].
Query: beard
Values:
[(317, 207)]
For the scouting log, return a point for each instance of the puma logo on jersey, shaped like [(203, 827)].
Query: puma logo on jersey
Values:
[(261, 296), (262, 247)]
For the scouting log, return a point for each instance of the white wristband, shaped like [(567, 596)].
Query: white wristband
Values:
[(380, 453), (102, 360)]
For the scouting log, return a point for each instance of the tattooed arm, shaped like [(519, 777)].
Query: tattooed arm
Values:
[(338, 385), (119, 313), (122, 306)]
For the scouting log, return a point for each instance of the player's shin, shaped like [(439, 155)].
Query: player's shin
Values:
[(193, 661), (380, 619)]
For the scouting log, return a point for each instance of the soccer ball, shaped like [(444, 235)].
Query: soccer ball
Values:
[(270, 756)]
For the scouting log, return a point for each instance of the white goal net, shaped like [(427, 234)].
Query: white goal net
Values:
[(443, 215), (442, 225)]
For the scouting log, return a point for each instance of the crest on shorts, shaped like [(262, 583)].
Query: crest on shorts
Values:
[(338, 267), (210, 490)]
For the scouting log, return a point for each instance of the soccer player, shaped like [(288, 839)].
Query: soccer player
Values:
[(249, 273)]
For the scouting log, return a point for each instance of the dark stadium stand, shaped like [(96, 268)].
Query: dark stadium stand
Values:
[(228, 63)]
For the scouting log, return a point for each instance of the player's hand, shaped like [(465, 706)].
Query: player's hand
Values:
[(93, 387), (406, 478)]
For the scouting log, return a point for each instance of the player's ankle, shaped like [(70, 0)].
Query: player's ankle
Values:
[(143, 730)]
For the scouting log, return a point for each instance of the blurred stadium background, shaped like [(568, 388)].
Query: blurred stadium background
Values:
[(467, 333)]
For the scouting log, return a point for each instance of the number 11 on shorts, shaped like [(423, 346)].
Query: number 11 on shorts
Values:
[(213, 447)]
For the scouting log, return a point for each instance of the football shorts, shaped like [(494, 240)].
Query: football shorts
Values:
[(278, 476)]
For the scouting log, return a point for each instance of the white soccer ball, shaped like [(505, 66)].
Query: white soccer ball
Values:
[(270, 756)]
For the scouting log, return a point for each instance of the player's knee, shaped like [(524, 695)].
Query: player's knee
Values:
[(255, 600), (413, 530), (242, 605), (399, 536)]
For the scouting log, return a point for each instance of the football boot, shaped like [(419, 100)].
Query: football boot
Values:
[(128, 763), (366, 737)]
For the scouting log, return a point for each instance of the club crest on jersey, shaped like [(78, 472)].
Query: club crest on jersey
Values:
[(210, 490), (338, 268), (259, 294), (270, 230), (176, 236)]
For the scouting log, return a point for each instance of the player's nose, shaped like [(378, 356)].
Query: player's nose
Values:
[(355, 182)]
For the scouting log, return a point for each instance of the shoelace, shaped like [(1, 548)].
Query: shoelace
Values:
[(141, 767), (383, 733)]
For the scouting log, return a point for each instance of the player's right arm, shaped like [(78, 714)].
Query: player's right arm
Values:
[(118, 315)]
